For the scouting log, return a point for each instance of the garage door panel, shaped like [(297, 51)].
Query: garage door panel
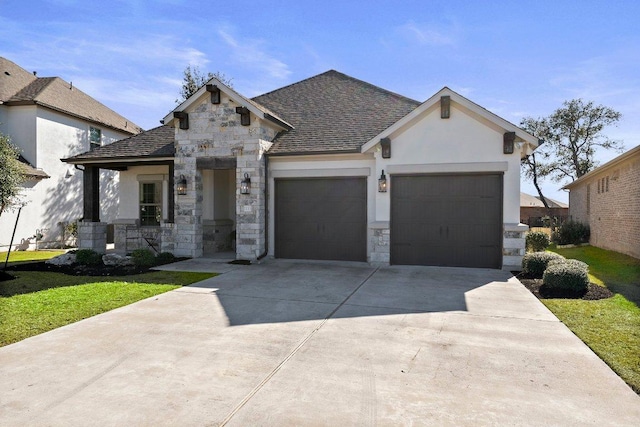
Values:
[(447, 220), (321, 218)]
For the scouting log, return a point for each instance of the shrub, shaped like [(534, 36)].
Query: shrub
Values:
[(143, 258), (165, 258), (537, 241), (574, 262), (566, 279), (88, 257), (535, 263), (572, 233)]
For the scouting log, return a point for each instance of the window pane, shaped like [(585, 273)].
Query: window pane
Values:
[(95, 138), (150, 215)]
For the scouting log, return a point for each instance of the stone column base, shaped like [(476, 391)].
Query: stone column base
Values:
[(513, 246), (92, 235)]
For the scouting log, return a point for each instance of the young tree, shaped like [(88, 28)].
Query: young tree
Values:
[(193, 79), (571, 136), (11, 174)]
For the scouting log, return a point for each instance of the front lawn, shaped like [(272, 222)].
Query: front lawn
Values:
[(37, 302), (610, 327), (27, 256)]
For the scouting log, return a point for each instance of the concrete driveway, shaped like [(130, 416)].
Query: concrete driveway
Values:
[(288, 343)]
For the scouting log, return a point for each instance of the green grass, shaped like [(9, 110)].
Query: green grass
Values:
[(27, 256), (37, 302), (610, 327)]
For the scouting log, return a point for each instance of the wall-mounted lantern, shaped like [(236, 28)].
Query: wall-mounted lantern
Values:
[(215, 93), (245, 184), (509, 139), (382, 183), (181, 186), (385, 144)]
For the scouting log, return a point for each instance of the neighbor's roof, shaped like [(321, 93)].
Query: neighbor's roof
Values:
[(30, 171), (332, 112), (20, 87), (152, 144), (529, 201), (621, 158)]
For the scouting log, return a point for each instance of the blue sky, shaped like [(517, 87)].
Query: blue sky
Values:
[(515, 58)]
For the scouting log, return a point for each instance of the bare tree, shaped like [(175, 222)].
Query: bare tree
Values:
[(194, 79)]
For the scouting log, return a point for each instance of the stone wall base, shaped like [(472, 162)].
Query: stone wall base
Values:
[(92, 235)]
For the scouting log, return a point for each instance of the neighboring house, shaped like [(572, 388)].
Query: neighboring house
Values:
[(608, 200), (533, 211), (329, 168), (48, 118)]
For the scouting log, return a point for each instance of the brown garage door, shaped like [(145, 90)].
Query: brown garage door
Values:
[(321, 218), (447, 220)]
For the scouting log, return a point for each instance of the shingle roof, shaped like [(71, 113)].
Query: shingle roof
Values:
[(30, 171), (156, 142), (21, 87), (333, 112)]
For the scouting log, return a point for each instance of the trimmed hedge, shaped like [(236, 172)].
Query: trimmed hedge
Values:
[(88, 257), (572, 233), (143, 258), (537, 241), (566, 278), (574, 262), (165, 258), (535, 263)]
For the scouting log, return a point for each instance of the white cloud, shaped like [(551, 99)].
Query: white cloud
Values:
[(429, 35)]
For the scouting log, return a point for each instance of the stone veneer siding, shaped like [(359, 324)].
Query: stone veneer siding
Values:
[(92, 235), (613, 214), (215, 132)]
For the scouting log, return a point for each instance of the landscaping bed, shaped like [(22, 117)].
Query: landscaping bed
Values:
[(537, 288)]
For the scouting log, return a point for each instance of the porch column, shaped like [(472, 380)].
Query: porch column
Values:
[(91, 190), (250, 208), (187, 230), (92, 234)]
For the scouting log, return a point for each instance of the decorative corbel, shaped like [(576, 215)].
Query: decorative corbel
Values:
[(509, 139), (245, 117), (215, 93), (183, 117), (385, 145)]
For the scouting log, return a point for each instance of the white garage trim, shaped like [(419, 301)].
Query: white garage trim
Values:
[(449, 168), (313, 173)]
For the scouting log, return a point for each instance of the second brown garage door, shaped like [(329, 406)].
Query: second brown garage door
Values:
[(321, 218), (447, 220)]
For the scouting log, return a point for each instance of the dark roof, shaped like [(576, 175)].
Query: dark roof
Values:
[(156, 142), (19, 87), (333, 112), (30, 171)]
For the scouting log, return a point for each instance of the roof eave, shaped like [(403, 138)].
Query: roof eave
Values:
[(621, 158), (103, 160)]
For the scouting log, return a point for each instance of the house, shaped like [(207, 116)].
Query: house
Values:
[(329, 168), (532, 210), (608, 200), (48, 118)]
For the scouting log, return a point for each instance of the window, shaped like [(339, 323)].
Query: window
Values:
[(95, 138), (607, 184), (150, 204)]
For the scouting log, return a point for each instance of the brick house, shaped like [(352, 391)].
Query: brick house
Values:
[(532, 210), (608, 200), (329, 168)]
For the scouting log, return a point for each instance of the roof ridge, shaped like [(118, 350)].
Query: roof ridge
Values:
[(342, 75)]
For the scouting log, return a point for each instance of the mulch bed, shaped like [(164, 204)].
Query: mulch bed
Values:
[(537, 288), (73, 270)]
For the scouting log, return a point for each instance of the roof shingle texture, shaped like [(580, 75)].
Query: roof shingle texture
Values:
[(333, 112), (156, 142), (18, 86)]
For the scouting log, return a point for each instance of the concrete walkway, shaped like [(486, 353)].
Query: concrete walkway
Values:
[(288, 343)]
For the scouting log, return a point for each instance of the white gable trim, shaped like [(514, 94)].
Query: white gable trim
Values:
[(459, 99), (261, 113)]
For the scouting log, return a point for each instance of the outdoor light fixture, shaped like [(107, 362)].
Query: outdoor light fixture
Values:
[(382, 183), (245, 184), (181, 186), (385, 144)]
